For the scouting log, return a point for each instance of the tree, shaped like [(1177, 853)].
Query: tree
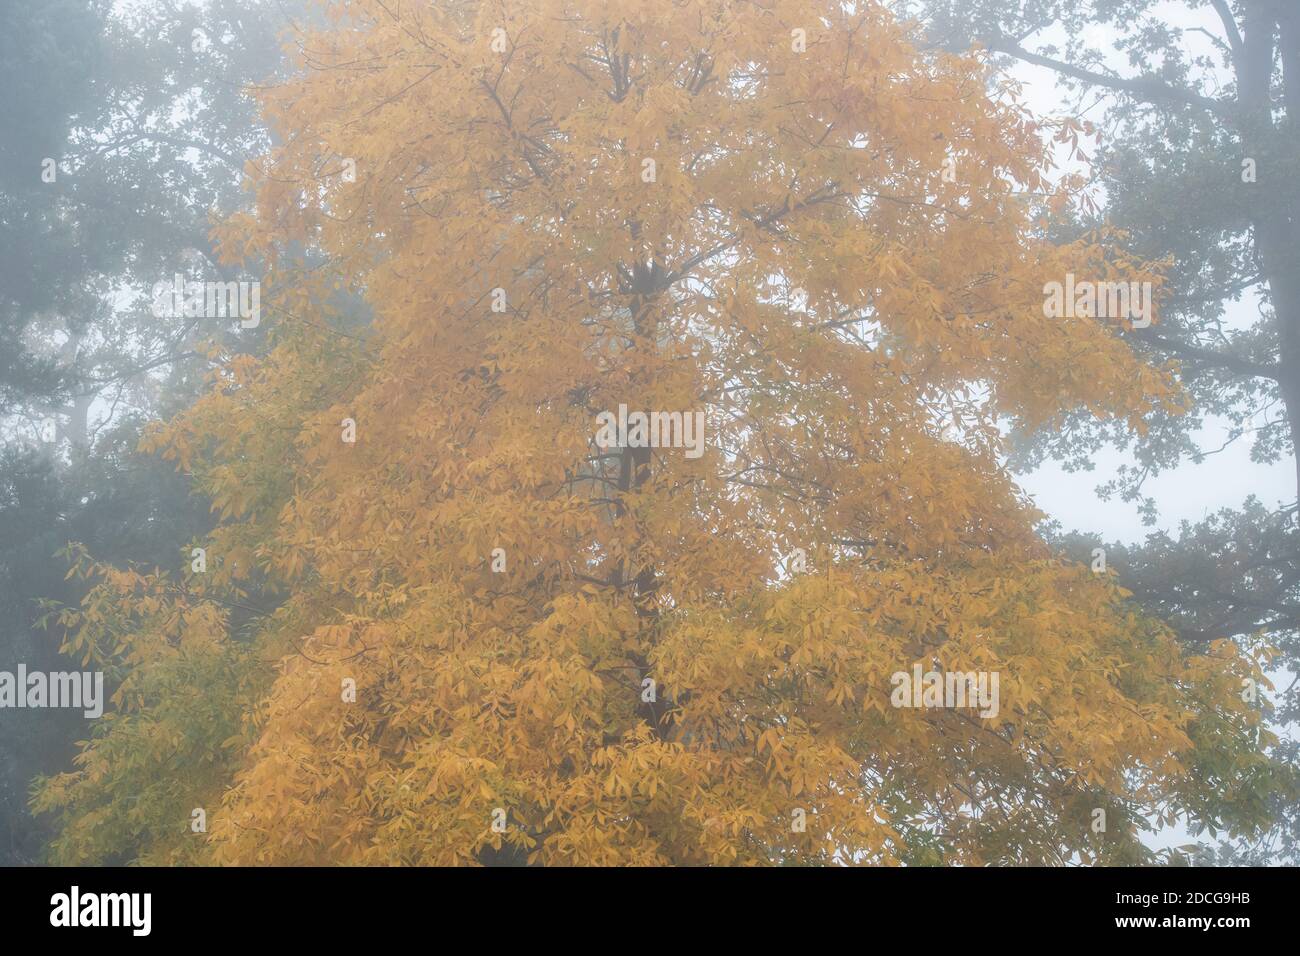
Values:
[(450, 614), (1199, 164), (146, 110), (121, 503), (47, 55), (143, 172)]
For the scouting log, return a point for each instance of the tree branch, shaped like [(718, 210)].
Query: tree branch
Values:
[(1229, 363), (1229, 26), (1148, 89)]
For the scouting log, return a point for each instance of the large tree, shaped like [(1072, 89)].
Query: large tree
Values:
[(447, 618)]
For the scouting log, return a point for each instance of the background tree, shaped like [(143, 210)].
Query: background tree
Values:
[(1200, 164), (48, 53), (498, 639), (146, 109)]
